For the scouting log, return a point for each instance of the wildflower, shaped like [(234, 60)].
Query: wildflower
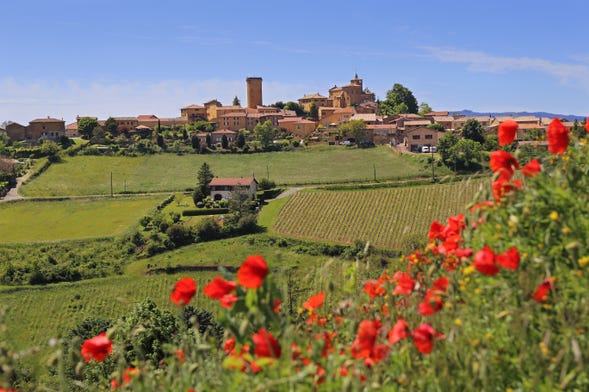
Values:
[(558, 137), (228, 300), (531, 168), (503, 163), (405, 284), (553, 216), (432, 302), (508, 259), (252, 272), (507, 131), (219, 287), (128, 374), (587, 124), (365, 344), (501, 189), (316, 301), (266, 345), (484, 261), (541, 293), (98, 348), (276, 305), (229, 346), (423, 338), (183, 292), (399, 331), (457, 322), (374, 288), (583, 261)]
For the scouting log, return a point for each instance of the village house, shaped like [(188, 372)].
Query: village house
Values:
[(382, 133), (222, 188), (416, 138), (317, 99), (193, 113), (45, 129), (297, 126), (15, 131), (351, 94)]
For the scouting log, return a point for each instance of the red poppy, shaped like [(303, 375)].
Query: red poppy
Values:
[(180, 354), (229, 346), (316, 301), (266, 345), (501, 189), (327, 338), (432, 302), (532, 168), (365, 341), (98, 348), (374, 288), (276, 305), (129, 373), (405, 284), (484, 261), (423, 338), (435, 231), (252, 272), (441, 284), (228, 300), (506, 132), (399, 331), (587, 124), (183, 292), (508, 259), (558, 137), (503, 163), (219, 287), (541, 293)]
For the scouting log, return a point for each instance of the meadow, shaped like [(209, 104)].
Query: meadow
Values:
[(37, 221), (384, 217), (91, 175)]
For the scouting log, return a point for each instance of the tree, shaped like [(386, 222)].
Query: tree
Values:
[(290, 105), (195, 142), (264, 134), (397, 96), (354, 129), (240, 141), (465, 155), (50, 149), (278, 104), (86, 125), (208, 140), (313, 112), (436, 126), (236, 101), (98, 136), (424, 108), (224, 142), (204, 178), (445, 143), (473, 130), (111, 126)]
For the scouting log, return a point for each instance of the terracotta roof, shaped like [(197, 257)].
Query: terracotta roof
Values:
[(442, 113), (381, 126), (234, 114), (46, 120), (193, 107), (443, 118), (364, 116), (71, 126), (314, 96), (232, 181), (417, 122), (125, 118), (345, 110), (147, 117), (225, 131)]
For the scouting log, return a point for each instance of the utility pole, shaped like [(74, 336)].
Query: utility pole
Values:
[(433, 173), (374, 169), (111, 194)]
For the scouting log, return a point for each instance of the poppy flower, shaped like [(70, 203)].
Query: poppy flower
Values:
[(183, 292), (506, 132), (587, 124), (219, 287), (423, 338), (432, 302), (373, 288), (484, 261), (405, 284), (276, 305), (435, 231), (399, 331), (558, 137), (441, 284), (98, 348), (316, 301), (503, 163), (532, 168), (508, 259), (128, 374), (252, 272), (502, 189), (266, 345), (228, 300), (229, 346), (543, 289), (365, 341)]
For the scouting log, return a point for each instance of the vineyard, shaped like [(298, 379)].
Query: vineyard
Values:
[(384, 217)]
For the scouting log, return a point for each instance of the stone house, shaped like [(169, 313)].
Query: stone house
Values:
[(45, 129), (421, 136), (222, 188)]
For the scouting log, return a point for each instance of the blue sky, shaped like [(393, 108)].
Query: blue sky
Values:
[(106, 58)]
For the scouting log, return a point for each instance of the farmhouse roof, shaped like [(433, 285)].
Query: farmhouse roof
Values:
[(143, 117), (225, 131), (314, 96), (247, 181), (193, 106), (125, 118), (46, 120)]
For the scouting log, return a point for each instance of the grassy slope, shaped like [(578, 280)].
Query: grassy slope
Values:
[(88, 175), (70, 219)]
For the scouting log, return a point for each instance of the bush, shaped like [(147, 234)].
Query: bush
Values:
[(205, 211)]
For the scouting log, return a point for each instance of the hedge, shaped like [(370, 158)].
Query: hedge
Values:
[(205, 211)]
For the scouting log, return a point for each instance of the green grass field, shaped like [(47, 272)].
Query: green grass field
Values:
[(384, 217), (91, 175), (34, 221)]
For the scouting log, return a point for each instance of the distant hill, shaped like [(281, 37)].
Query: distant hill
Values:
[(570, 117)]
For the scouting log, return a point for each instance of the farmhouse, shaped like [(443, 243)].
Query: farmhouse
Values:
[(221, 188)]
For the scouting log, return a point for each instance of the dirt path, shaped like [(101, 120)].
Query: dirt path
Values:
[(13, 192)]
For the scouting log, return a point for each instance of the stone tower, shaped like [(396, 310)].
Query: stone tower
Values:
[(254, 92)]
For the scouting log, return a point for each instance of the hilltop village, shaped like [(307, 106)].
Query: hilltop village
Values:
[(318, 119)]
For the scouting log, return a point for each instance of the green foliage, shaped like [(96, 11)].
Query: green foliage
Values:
[(445, 143), (290, 105), (240, 141), (266, 183), (465, 155), (86, 125), (424, 108), (110, 126), (204, 178), (354, 129), (313, 112), (236, 101), (264, 134), (399, 100), (473, 130)]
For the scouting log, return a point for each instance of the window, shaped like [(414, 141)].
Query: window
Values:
[(416, 137), (429, 136)]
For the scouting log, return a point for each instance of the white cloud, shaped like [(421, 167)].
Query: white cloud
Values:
[(24, 101), (483, 62)]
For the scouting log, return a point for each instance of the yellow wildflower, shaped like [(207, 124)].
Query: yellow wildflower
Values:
[(458, 322), (468, 270), (554, 215), (583, 261)]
